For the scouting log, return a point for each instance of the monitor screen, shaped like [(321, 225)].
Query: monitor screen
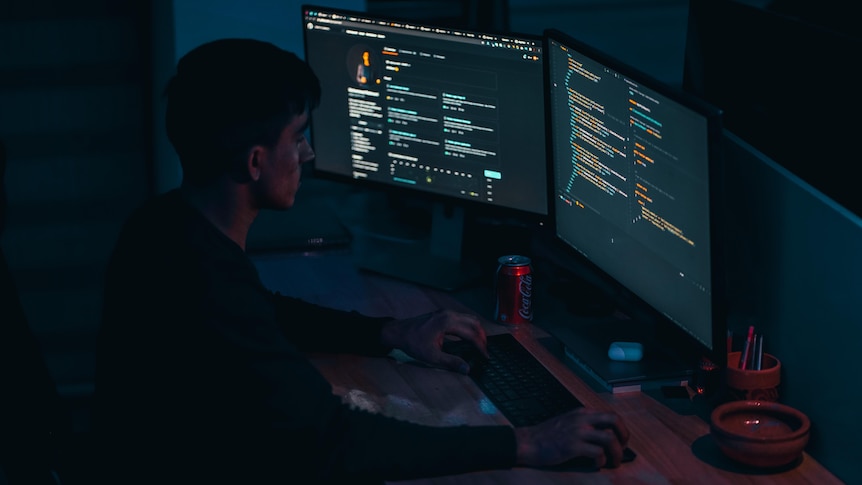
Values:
[(455, 116), (636, 173), (783, 85)]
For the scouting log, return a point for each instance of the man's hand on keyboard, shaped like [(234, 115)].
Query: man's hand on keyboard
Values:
[(582, 433), (422, 337)]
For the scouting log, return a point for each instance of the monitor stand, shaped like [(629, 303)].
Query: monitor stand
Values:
[(411, 245), (586, 341), (592, 316), (583, 298)]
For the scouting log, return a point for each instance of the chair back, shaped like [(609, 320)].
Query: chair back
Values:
[(32, 417)]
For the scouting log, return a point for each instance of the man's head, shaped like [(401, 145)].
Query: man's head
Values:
[(231, 96)]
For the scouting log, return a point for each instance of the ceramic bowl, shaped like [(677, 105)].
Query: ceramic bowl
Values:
[(760, 433)]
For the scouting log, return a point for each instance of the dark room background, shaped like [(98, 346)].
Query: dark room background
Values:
[(80, 115)]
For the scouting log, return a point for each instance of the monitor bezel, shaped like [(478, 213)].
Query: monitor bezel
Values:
[(672, 335)]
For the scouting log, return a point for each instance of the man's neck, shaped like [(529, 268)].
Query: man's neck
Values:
[(226, 206)]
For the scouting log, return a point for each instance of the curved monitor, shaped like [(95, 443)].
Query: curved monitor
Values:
[(637, 175), (453, 116)]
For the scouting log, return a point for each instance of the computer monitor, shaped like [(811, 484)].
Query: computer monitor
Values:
[(783, 84), (450, 117), (636, 184)]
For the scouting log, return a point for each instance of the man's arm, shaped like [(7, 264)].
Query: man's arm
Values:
[(315, 328)]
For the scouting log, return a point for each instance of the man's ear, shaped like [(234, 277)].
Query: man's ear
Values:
[(253, 162)]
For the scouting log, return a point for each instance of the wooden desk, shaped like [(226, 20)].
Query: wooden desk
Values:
[(671, 447)]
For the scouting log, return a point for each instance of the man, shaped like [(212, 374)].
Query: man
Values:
[(201, 373)]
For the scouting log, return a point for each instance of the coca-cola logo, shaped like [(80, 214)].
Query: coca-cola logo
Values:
[(525, 288)]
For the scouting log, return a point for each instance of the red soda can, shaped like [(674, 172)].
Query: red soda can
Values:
[(514, 290)]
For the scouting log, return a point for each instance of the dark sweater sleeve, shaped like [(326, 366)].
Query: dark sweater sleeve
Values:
[(373, 446), (315, 328), (340, 444), (197, 356)]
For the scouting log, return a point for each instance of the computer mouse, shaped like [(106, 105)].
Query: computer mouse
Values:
[(626, 351)]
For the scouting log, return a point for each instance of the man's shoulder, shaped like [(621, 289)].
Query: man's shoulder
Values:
[(161, 216), (159, 209), (157, 224)]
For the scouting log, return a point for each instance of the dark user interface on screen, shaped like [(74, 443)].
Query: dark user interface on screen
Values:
[(453, 113)]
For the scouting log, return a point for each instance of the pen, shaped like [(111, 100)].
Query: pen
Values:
[(747, 348), (759, 354)]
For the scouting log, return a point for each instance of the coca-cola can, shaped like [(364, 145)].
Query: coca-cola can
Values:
[(514, 290)]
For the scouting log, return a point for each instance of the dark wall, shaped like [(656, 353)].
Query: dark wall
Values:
[(74, 116)]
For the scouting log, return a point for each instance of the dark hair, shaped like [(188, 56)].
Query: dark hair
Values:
[(229, 95)]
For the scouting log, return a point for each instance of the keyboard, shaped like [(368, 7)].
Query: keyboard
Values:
[(524, 391), (519, 386)]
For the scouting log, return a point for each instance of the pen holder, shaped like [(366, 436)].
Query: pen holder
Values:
[(753, 385)]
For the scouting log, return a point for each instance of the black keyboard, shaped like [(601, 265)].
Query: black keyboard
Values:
[(514, 380)]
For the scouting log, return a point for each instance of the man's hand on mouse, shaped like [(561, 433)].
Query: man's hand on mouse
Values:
[(422, 337), (582, 433)]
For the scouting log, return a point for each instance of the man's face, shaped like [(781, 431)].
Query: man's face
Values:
[(280, 167)]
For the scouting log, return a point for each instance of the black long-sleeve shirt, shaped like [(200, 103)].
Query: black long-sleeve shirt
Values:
[(201, 374)]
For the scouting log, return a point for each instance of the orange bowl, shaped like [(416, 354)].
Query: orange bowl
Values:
[(760, 433)]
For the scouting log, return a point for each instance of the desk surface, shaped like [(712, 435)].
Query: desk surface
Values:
[(672, 447)]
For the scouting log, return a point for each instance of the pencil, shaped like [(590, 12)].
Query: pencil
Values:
[(759, 354), (747, 348)]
